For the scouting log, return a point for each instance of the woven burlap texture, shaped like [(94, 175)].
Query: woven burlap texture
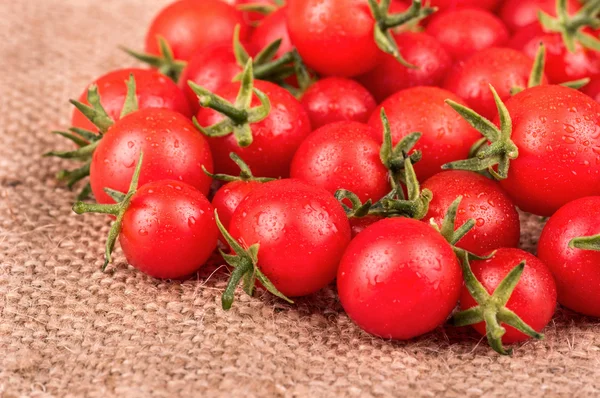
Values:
[(67, 329)]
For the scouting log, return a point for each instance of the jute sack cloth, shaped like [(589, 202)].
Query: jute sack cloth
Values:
[(68, 330)]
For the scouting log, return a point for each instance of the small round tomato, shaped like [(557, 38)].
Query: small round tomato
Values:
[(272, 28), (153, 90), (275, 139), (533, 299), (173, 150), (446, 136), (592, 89), (465, 31), (229, 197), (444, 5), (168, 230), (343, 155), (419, 49), (399, 279), (483, 200), (519, 13), (302, 224), (190, 26), (337, 99), (576, 271), (503, 68)]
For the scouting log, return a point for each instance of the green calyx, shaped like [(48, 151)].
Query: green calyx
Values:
[(238, 116), (86, 140), (491, 309), (500, 150), (165, 63), (586, 243), (245, 172), (245, 264), (384, 22), (571, 27), (118, 210)]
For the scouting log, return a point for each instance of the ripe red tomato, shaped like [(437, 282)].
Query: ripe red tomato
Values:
[(153, 90), (483, 200), (465, 31), (303, 224), (343, 155), (443, 5), (173, 150), (446, 136), (276, 137), (229, 197), (503, 68), (533, 299), (419, 49), (337, 99), (168, 230), (519, 13), (190, 26), (391, 274), (576, 271), (592, 89), (273, 27)]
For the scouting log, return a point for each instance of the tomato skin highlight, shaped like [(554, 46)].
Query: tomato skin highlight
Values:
[(336, 99), (496, 219), (168, 230), (153, 90), (557, 131), (503, 68), (190, 26), (303, 224), (519, 13), (229, 197), (446, 136), (173, 150), (465, 31), (533, 299), (399, 279), (343, 155), (576, 271), (276, 138)]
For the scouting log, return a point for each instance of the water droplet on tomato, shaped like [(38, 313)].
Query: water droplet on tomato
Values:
[(191, 221), (480, 222), (568, 139), (176, 144), (143, 232), (130, 144)]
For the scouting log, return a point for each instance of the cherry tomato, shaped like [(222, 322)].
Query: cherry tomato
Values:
[(190, 26), (173, 150), (446, 136), (272, 28), (276, 138), (533, 299), (399, 279), (229, 197), (419, 49), (576, 271), (168, 230), (561, 64), (343, 155), (557, 132), (443, 5), (519, 13), (153, 90), (593, 88), (303, 224), (503, 68), (465, 31), (483, 200), (337, 99)]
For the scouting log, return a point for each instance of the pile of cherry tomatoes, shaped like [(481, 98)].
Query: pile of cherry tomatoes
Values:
[(379, 144)]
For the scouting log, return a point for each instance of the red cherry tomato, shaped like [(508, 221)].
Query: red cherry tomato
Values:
[(592, 89), (519, 13), (419, 49), (561, 64), (303, 224), (392, 273), (190, 26), (503, 68), (168, 230), (272, 28), (276, 138), (465, 31), (229, 197), (557, 132), (533, 299), (443, 5), (483, 200), (576, 271), (343, 155), (173, 150), (153, 90), (337, 99), (446, 136)]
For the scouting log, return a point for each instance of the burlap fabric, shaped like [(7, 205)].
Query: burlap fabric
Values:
[(68, 329)]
